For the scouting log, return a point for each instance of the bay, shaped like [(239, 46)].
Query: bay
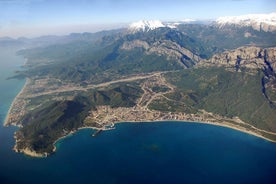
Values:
[(157, 152)]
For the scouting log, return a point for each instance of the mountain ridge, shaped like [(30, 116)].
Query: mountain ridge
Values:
[(198, 73), (145, 25), (265, 22)]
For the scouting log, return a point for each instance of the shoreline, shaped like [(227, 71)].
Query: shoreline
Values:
[(228, 125), (243, 130), (7, 118), (71, 133), (31, 153), (235, 124)]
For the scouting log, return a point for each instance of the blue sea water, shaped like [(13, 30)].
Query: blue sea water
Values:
[(159, 152)]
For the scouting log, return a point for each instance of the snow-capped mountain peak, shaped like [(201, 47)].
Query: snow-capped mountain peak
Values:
[(146, 25), (266, 22)]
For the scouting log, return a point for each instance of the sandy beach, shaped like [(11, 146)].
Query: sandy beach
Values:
[(31, 153), (241, 129), (224, 124), (6, 122)]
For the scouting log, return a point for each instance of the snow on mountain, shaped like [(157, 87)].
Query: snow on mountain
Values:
[(145, 25), (174, 25), (265, 22), (188, 20)]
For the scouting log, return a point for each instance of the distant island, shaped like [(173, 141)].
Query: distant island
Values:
[(215, 74)]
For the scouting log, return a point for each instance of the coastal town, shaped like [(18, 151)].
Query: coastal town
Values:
[(154, 88)]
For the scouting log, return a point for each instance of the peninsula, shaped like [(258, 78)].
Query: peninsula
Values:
[(162, 74), (147, 107)]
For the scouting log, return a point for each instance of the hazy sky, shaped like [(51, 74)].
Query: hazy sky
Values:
[(38, 17)]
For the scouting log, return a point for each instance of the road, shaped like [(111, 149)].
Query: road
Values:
[(94, 86)]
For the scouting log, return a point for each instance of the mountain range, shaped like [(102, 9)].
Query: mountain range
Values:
[(262, 22), (217, 72), (259, 22)]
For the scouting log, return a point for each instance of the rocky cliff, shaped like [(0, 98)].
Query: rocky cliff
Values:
[(248, 57), (253, 58), (167, 48)]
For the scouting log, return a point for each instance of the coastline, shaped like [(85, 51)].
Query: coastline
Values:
[(209, 119), (226, 125), (26, 151), (73, 132), (244, 130), (8, 116), (31, 153)]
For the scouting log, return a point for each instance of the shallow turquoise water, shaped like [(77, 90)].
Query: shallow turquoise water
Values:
[(167, 152)]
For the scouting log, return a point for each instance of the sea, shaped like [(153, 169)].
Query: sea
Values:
[(157, 152)]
